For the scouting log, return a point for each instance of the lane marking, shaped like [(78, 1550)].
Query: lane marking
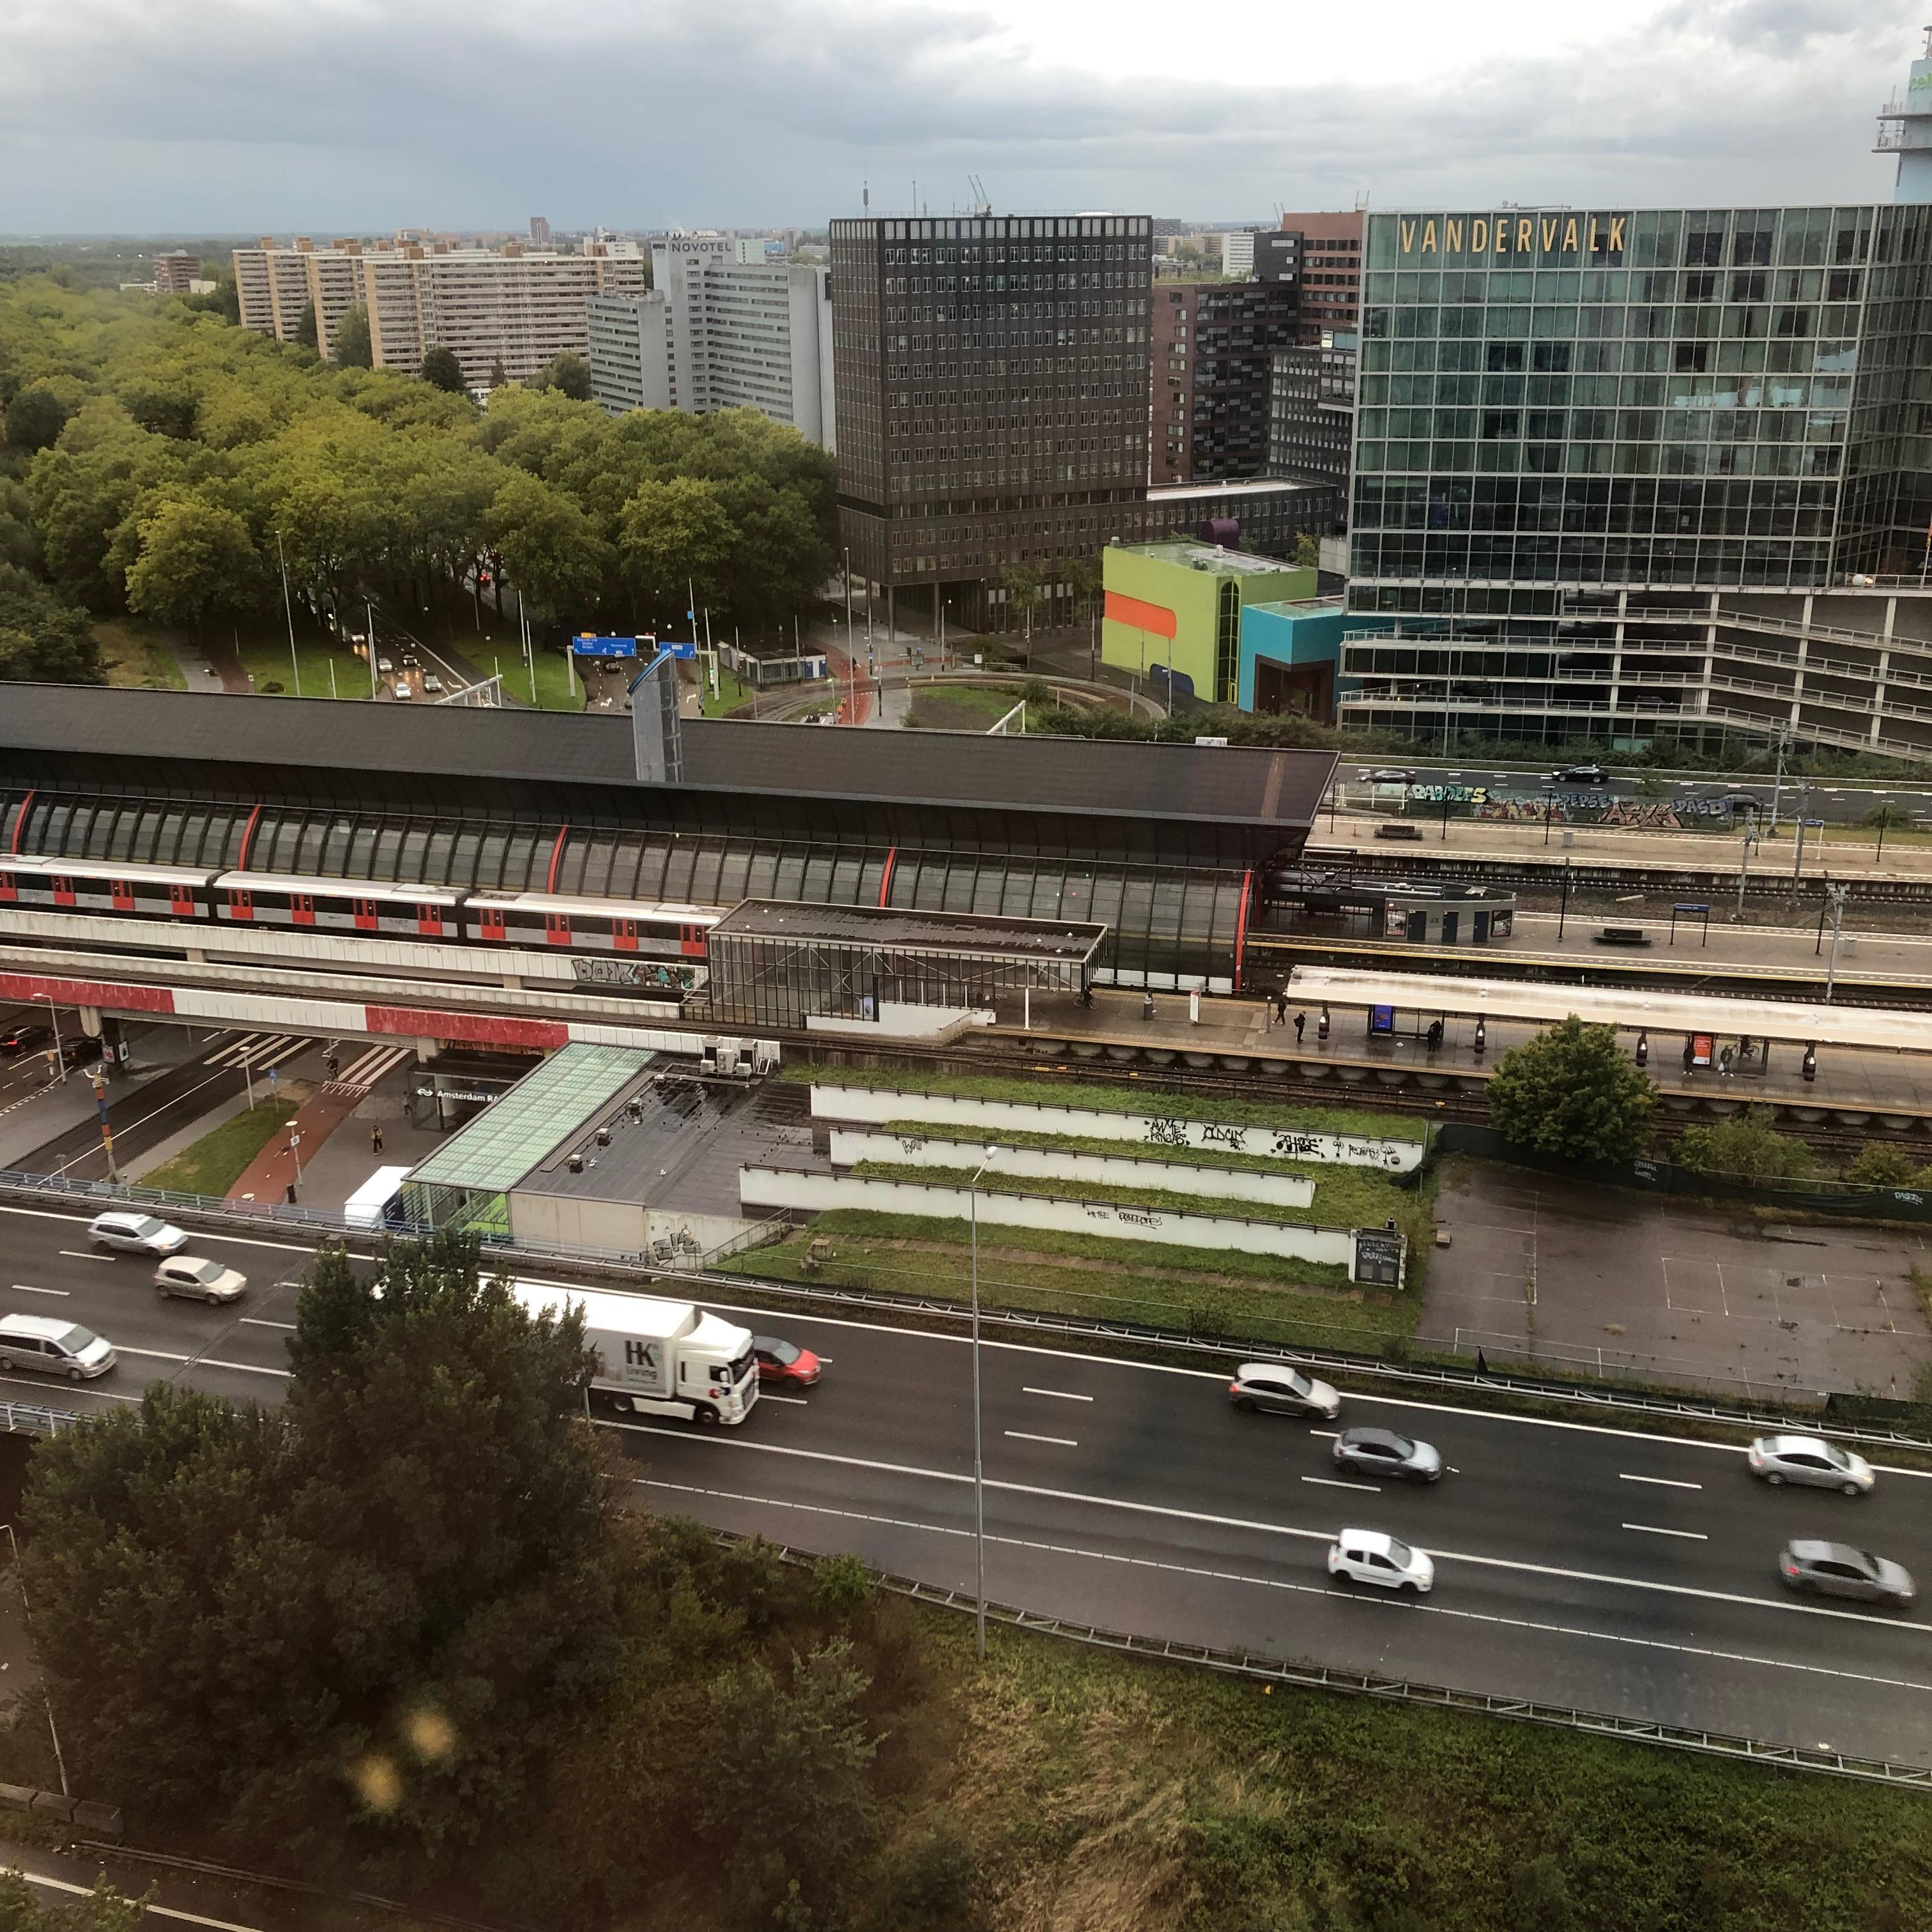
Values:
[(159, 1911), (1059, 1395), (796, 1401), (1661, 1482), (1655, 1529), (260, 1321), (205, 1362), (716, 1441), (1336, 1483), (1058, 1441), (1327, 1435), (28, 1288), (85, 1254), (1428, 1607)]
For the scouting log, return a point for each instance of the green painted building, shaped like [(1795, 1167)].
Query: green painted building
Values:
[(1173, 612)]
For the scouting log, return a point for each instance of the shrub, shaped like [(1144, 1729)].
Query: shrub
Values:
[(1746, 1148), (1881, 1165), (271, 687), (840, 1585), (1572, 1092)]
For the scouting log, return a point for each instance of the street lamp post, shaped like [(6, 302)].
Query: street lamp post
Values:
[(1743, 873), (60, 1058), (979, 1460), (1837, 893)]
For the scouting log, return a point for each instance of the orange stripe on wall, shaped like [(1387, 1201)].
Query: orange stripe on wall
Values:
[(1130, 610)]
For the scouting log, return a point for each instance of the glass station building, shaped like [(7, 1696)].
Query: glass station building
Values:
[(1625, 475)]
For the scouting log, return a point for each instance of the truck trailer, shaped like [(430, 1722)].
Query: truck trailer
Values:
[(657, 1358)]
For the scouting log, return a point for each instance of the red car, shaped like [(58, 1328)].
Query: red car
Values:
[(782, 1362)]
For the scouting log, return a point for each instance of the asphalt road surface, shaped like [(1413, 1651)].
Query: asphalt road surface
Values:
[(1606, 1568)]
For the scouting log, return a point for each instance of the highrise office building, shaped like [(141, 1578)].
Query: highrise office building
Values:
[(1635, 475), (1312, 408), (539, 231), (1331, 268), (1213, 348)]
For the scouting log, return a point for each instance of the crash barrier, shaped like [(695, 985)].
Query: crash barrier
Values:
[(55, 1808), (1084, 1331)]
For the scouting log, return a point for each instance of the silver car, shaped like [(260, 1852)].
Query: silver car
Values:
[(199, 1279), (130, 1234), (1809, 1459), (1838, 1569), (1283, 1389), (1385, 1452)]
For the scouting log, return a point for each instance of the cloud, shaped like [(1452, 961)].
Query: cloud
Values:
[(353, 116)]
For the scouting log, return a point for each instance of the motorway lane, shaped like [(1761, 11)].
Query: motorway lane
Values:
[(1134, 1496)]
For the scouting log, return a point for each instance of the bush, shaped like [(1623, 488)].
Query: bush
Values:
[(840, 1585), (271, 687), (932, 1885), (1745, 1147), (1881, 1165), (1571, 1092)]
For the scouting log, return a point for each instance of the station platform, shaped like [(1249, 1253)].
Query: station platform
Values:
[(1854, 1087)]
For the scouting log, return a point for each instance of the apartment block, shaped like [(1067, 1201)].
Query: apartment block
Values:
[(630, 352), (1312, 408), (1213, 349), (175, 271), (1331, 269)]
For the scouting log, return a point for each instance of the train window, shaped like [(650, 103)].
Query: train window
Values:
[(365, 910), (556, 928), (624, 935), (63, 887), (180, 901), (490, 919), (122, 894), (241, 903)]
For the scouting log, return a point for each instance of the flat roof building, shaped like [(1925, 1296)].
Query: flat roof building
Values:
[(1213, 346)]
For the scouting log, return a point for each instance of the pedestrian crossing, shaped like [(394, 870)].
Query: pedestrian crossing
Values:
[(257, 1051), (363, 1072)]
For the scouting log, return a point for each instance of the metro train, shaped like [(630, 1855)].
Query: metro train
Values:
[(667, 940)]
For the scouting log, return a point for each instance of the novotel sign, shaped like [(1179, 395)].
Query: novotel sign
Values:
[(1509, 235)]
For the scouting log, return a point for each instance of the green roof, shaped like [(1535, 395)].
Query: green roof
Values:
[(515, 1134)]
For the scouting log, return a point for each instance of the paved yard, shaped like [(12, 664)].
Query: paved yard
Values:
[(1564, 1272)]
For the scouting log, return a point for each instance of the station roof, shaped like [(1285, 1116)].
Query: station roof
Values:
[(1214, 784), (518, 1132), (957, 935)]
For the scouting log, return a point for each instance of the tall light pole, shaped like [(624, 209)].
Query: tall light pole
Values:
[(60, 1058), (979, 1460), (288, 608), (1837, 894), (848, 597), (1743, 873), (1778, 782)]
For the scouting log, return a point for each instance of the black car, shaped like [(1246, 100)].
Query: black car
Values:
[(76, 1049), (1586, 775), (28, 1037)]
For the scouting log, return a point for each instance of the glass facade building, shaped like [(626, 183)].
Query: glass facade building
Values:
[(1625, 472)]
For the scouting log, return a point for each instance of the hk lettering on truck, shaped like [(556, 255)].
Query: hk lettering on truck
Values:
[(658, 1357)]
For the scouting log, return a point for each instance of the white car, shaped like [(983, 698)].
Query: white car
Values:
[(1368, 1556), (136, 1234), (53, 1346), (199, 1279), (402, 689), (1809, 1459)]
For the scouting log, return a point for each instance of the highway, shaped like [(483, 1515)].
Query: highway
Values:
[(1606, 1567)]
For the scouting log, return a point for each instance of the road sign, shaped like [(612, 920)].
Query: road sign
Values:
[(585, 646)]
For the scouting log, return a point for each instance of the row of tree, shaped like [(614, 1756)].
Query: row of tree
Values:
[(159, 461)]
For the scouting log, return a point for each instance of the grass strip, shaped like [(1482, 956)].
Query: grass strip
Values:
[(1101, 1099), (212, 1164)]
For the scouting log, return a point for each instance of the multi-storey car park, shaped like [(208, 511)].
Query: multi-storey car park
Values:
[(478, 838), (1645, 475)]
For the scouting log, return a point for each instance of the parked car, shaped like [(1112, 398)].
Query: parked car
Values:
[(1810, 1459), (1838, 1569), (1384, 1452), (24, 1038), (53, 1346), (1283, 1389), (1368, 1556), (1584, 775), (196, 1279), (135, 1233), (781, 1361)]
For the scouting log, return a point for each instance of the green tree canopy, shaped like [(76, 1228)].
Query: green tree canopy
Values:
[(349, 342), (43, 641), (195, 558), (674, 534), (379, 1607), (551, 549), (34, 418), (1573, 1092), (306, 334), (440, 367), (567, 372), (1745, 1147), (24, 1909)]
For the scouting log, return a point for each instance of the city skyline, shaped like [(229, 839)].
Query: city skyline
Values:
[(193, 127)]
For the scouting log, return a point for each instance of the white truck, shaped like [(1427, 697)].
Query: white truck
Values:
[(658, 1357)]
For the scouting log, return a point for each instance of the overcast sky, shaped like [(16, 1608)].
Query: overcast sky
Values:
[(217, 116)]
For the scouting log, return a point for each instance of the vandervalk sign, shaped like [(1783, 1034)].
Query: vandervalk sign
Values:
[(1547, 237)]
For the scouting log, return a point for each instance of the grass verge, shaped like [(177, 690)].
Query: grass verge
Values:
[(1100, 1097), (133, 657), (214, 1163), (731, 694)]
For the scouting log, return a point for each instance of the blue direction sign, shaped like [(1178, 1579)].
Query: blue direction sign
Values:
[(585, 646)]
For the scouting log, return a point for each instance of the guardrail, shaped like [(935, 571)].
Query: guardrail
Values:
[(28, 1418), (1262, 1668), (1447, 1377)]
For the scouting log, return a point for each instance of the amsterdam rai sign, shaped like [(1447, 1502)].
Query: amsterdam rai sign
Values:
[(1548, 237)]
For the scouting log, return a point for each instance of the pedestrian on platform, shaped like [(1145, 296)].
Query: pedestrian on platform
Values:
[(1724, 1064), (1690, 1056), (1281, 1008), (1301, 1026), (376, 1138)]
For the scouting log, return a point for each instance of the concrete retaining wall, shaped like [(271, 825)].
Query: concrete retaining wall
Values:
[(767, 1187), (877, 1104), (851, 1145)]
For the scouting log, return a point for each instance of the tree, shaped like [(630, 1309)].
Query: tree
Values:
[(1884, 818), (675, 534), (1572, 1093), (1023, 589), (500, 376), (1307, 552), (348, 341), (306, 336), (551, 549), (1745, 1147), (104, 1909), (441, 368), (34, 419), (42, 640), (195, 558), (377, 1608), (567, 372)]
